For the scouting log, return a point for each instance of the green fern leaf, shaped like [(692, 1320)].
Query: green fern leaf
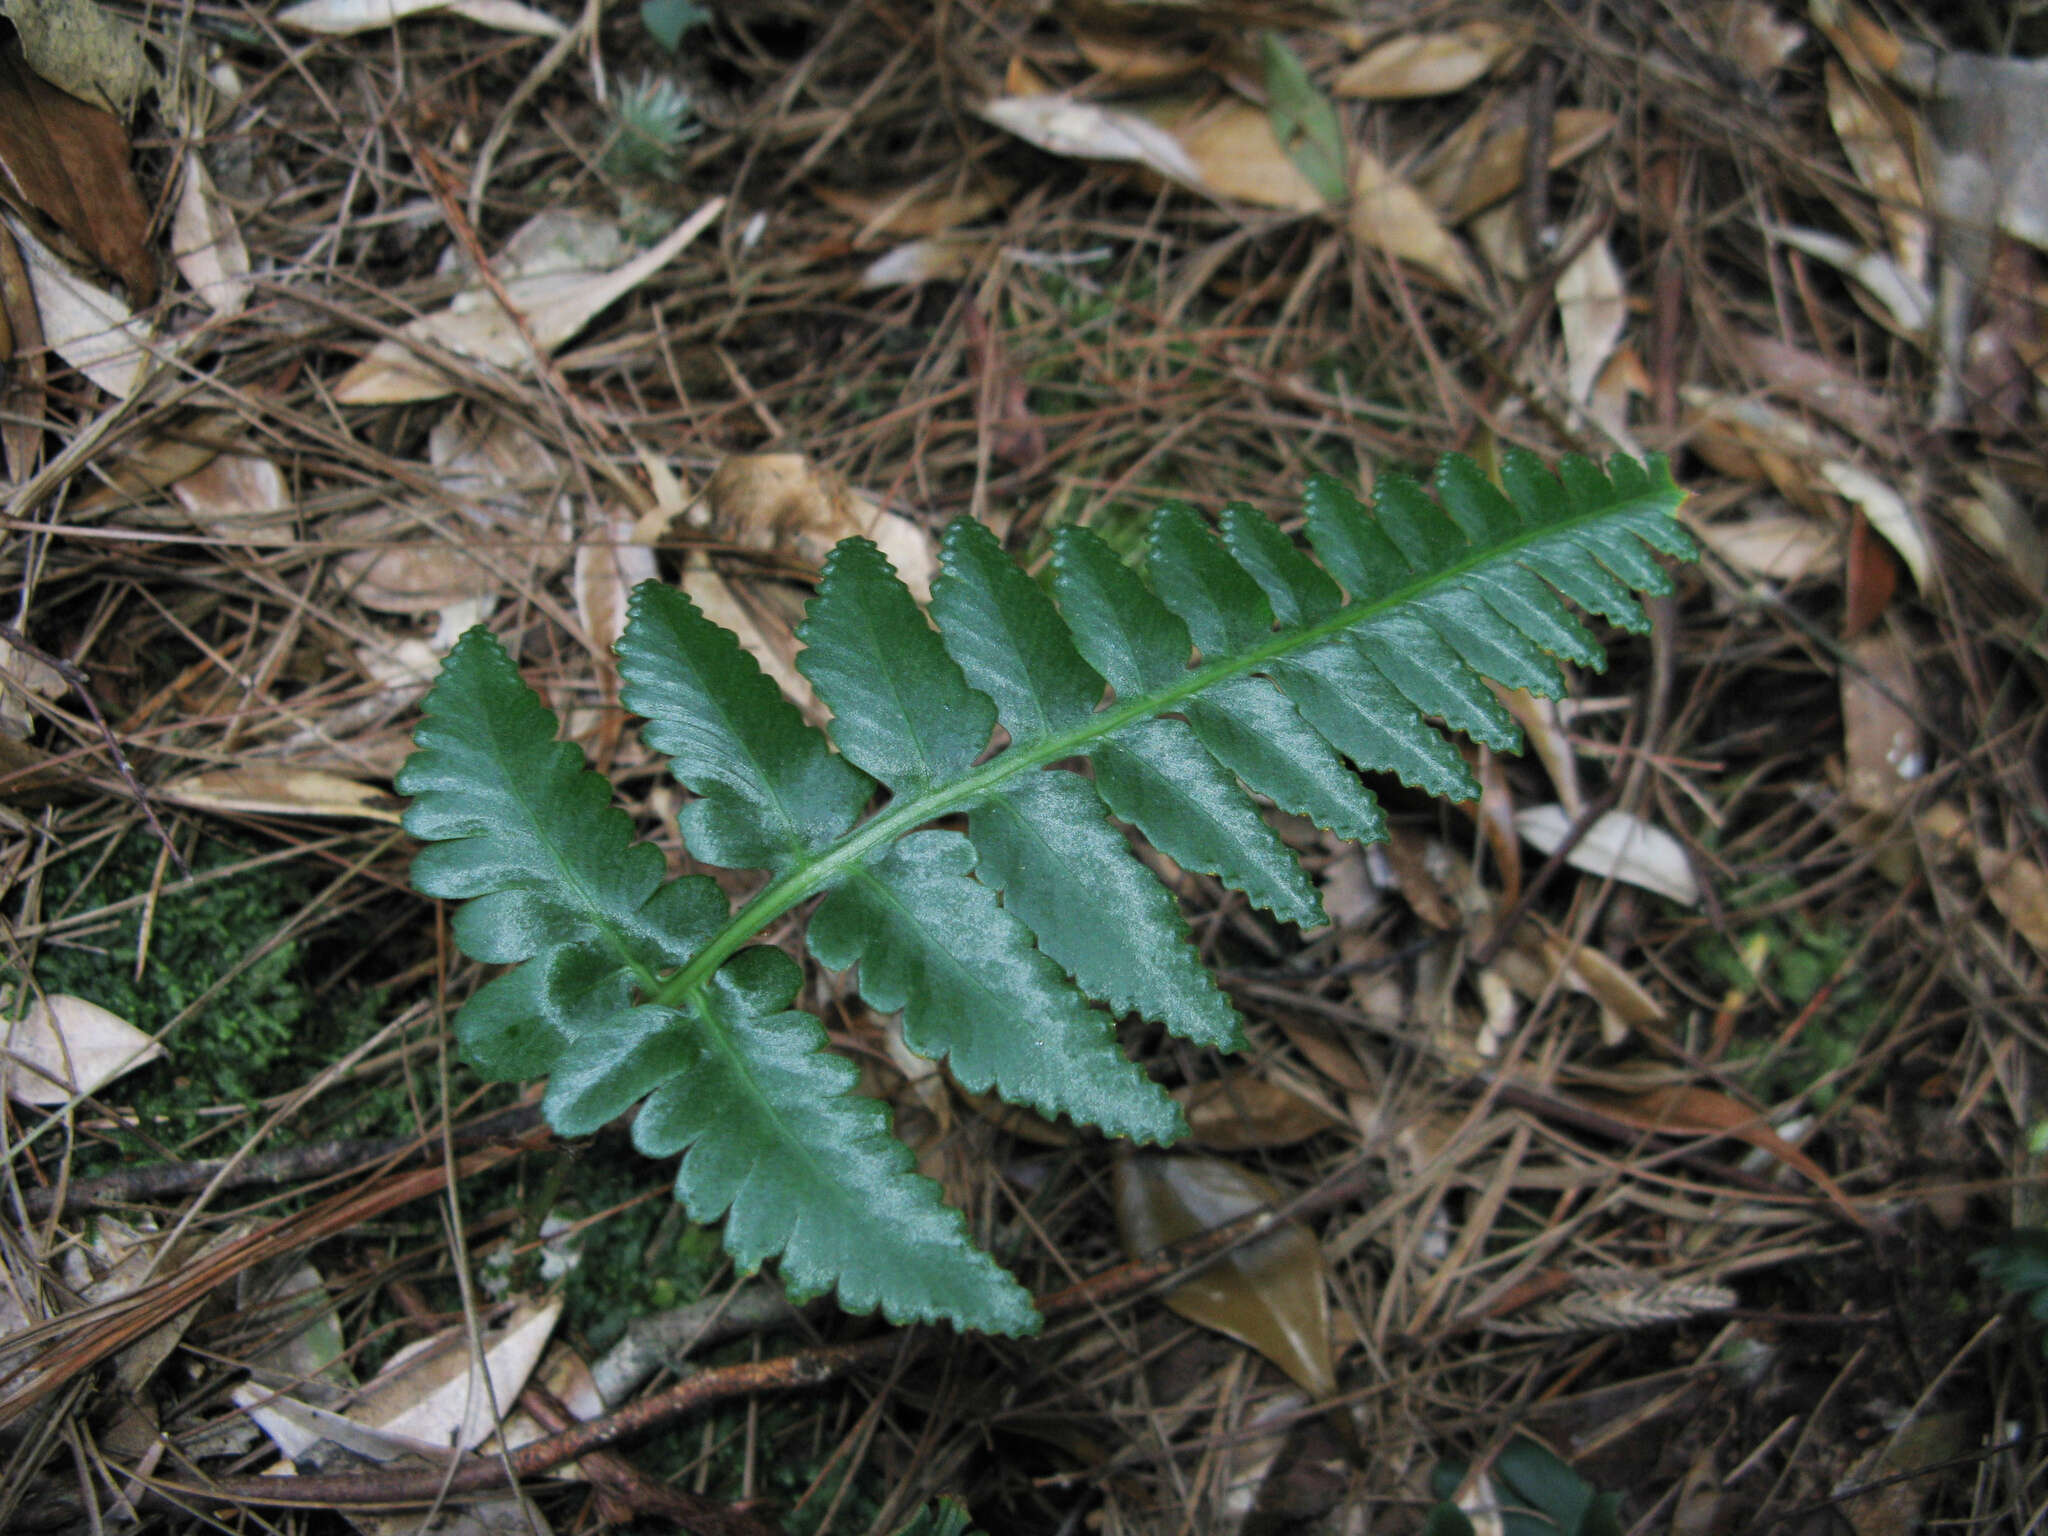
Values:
[(1237, 663)]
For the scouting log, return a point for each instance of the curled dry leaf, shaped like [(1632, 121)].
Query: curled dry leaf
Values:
[(1238, 158), (82, 323), (784, 504), (1888, 514), (345, 18), (554, 295), (924, 261), (276, 789), (70, 161), (1903, 301), (1429, 63), (64, 1046), (436, 1392), (1389, 215), (1082, 130), (1268, 1293), (1485, 160), (206, 242), (1592, 309), (1874, 131), (1784, 548), (1619, 845), (239, 496)]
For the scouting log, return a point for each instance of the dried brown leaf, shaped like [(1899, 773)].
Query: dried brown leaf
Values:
[(1873, 128), (1429, 63), (1244, 1110), (1706, 1111), (1390, 216), (277, 789), (1236, 157), (63, 1046), (1268, 1293), (1492, 163), (206, 242), (1881, 735)]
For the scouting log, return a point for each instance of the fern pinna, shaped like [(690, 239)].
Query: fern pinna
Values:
[(1235, 664)]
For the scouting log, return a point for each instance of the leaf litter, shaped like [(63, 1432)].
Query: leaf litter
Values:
[(1479, 1100)]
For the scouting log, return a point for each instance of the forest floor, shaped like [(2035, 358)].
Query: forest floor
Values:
[(1656, 1165)]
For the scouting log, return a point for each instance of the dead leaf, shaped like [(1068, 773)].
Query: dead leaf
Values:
[(608, 566), (1550, 742), (1785, 548), (924, 261), (1757, 40), (206, 242), (345, 18), (1683, 1111), (24, 674), (1390, 216), (64, 1046), (1888, 514), (239, 496), (1485, 162), (2019, 889), (71, 162), (1268, 1293), (1902, 301), (1813, 381), (1244, 1110), (782, 503), (1083, 130), (1592, 309), (556, 301), (1429, 63), (1872, 127), (24, 395), (1136, 58), (1618, 845), (84, 324), (1236, 157), (1872, 578), (84, 50), (436, 1392), (266, 789)]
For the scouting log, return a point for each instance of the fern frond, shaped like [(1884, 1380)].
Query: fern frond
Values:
[(1234, 664)]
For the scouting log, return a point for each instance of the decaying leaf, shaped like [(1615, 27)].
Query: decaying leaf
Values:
[(1486, 159), (24, 675), (1237, 157), (1686, 1110), (438, 1393), (1592, 309), (24, 395), (239, 496), (553, 290), (609, 564), (1268, 1293), (1903, 302), (915, 211), (1429, 63), (267, 789), (1241, 1111), (1786, 547), (934, 260), (70, 161), (783, 503), (1389, 215), (1618, 844), (84, 49), (63, 1046), (84, 324), (1888, 514), (2018, 887), (1083, 130), (345, 18), (206, 242), (1872, 126)]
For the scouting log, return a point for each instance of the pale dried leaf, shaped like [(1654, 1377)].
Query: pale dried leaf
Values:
[(1867, 121), (83, 323), (915, 210), (556, 304), (785, 504), (206, 242), (1784, 547), (239, 496), (84, 48), (1389, 215), (1428, 63), (24, 674), (1881, 736), (2019, 889), (396, 571), (1592, 309), (1549, 740), (1758, 40), (344, 18), (1481, 167), (1244, 1110), (277, 789), (1618, 845), (64, 1046), (1237, 158), (924, 261), (609, 565), (1813, 381), (1888, 514), (1904, 301), (1084, 130), (437, 1391), (1268, 1293)]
